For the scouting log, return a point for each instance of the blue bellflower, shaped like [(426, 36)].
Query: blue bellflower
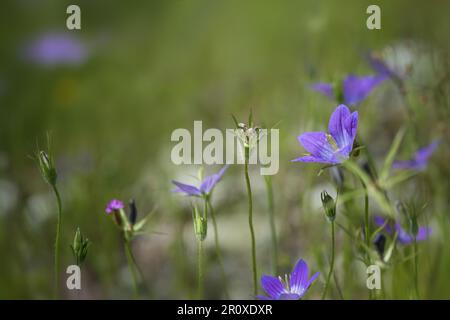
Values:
[(333, 147), (420, 160), (205, 188), (292, 288), (354, 88), (56, 48), (403, 237)]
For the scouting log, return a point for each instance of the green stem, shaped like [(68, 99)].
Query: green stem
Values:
[(273, 230), (200, 268), (250, 222), (218, 251), (57, 239), (131, 266), (416, 274), (331, 262), (367, 226)]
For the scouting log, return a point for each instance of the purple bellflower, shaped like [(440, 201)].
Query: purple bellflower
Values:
[(381, 67), (114, 205), (333, 147), (292, 288), (403, 236), (420, 160), (56, 48), (206, 186), (353, 90)]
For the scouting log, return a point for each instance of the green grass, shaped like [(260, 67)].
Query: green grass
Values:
[(158, 67)]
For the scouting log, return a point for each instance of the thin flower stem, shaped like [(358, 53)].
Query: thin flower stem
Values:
[(57, 238), (416, 274), (366, 225), (273, 230), (218, 251), (132, 266), (200, 268), (331, 262), (250, 222)]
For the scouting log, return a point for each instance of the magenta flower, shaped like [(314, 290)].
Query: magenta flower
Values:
[(403, 236), (205, 188), (292, 288), (333, 147), (56, 48), (353, 89), (114, 205), (420, 160)]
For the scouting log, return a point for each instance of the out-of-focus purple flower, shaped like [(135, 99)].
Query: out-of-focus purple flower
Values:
[(356, 89), (333, 147), (420, 160), (206, 185), (324, 88), (403, 236), (56, 48), (114, 205), (292, 288), (381, 67), (353, 89)]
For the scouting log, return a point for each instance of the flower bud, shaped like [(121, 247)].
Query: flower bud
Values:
[(329, 205), (80, 247), (379, 243), (47, 168), (133, 212)]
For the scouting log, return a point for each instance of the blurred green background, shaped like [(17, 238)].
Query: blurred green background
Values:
[(154, 66)]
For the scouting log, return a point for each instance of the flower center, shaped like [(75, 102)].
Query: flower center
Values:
[(331, 141)]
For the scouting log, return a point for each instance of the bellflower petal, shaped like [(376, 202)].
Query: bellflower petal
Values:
[(309, 159), (310, 282), (380, 221), (423, 234), (272, 286), (420, 160), (356, 89), (381, 68), (317, 144), (209, 182), (342, 126), (424, 153), (186, 188), (299, 277), (56, 48)]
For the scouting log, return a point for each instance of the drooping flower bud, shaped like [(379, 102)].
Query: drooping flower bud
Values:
[(380, 241), (80, 247), (133, 212), (329, 205), (47, 168)]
